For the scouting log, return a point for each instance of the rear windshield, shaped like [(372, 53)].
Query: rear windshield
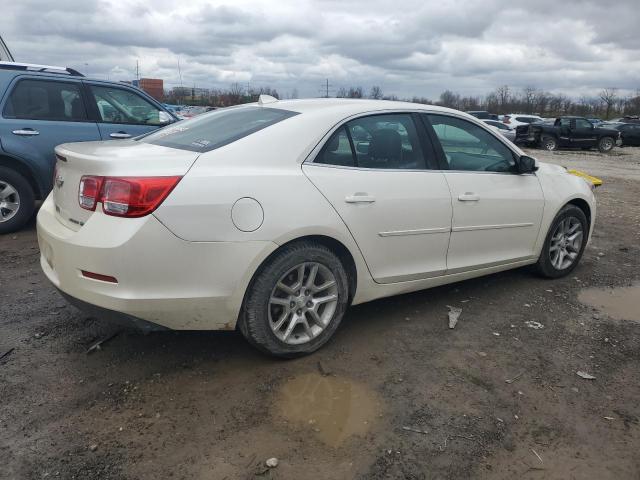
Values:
[(216, 129)]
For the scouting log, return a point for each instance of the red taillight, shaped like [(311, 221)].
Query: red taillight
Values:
[(125, 196), (89, 192)]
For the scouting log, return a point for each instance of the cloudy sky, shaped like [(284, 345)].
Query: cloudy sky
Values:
[(407, 47)]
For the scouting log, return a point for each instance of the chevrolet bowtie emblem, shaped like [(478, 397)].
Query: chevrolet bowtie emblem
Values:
[(59, 181)]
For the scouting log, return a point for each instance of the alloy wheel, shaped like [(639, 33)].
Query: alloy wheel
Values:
[(566, 243), (9, 201), (302, 303), (606, 144)]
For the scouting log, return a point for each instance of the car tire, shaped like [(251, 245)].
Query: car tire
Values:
[(550, 263), (549, 143), (277, 292), (606, 144), (17, 200)]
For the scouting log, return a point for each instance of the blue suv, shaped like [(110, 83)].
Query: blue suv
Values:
[(42, 107)]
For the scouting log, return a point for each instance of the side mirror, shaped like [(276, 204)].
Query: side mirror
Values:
[(526, 164), (165, 118)]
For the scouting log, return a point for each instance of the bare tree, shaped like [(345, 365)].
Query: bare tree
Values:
[(503, 94), (449, 99), (609, 97), (355, 92), (342, 93), (376, 93)]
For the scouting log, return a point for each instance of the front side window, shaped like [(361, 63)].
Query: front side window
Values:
[(46, 100), (469, 147), (116, 105), (213, 130)]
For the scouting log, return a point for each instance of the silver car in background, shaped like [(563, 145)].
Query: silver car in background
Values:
[(505, 130)]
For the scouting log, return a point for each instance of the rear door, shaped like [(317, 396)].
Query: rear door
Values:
[(496, 211), (40, 113), (122, 112), (376, 172)]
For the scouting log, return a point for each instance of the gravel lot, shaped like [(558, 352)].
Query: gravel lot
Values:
[(396, 394)]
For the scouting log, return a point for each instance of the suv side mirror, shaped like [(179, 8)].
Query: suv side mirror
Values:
[(526, 164)]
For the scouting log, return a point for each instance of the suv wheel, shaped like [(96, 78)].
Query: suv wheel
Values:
[(296, 302), (549, 143), (564, 244), (606, 144), (17, 201)]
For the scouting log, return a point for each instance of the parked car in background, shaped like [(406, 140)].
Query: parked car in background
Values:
[(596, 121), (274, 217), (44, 106), (572, 132), (516, 119), (629, 134), (505, 130), (483, 115)]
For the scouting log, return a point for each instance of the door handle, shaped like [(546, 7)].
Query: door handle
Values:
[(359, 198), (120, 135), (468, 197), (26, 132)]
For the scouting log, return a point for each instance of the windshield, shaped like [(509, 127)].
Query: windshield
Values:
[(216, 129)]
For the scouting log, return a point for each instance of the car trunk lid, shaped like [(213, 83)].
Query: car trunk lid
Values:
[(113, 158)]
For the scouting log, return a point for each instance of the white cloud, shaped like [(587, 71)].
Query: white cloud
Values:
[(409, 48)]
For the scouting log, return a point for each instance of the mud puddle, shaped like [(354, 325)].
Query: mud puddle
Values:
[(332, 407), (621, 303)]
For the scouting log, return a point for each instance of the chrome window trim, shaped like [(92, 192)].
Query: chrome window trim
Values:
[(310, 158)]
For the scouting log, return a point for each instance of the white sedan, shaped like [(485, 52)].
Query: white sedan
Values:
[(274, 217)]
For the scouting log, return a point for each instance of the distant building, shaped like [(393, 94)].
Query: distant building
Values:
[(153, 86)]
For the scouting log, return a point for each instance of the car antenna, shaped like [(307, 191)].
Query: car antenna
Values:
[(264, 99)]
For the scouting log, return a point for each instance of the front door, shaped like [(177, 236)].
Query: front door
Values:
[(496, 211), (38, 115), (583, 133), (375, 171), (123, 113)]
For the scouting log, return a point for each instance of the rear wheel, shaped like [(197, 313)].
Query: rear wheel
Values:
[(565, 243), (549, 143), (17, 201), (296, 302), (606, 144)]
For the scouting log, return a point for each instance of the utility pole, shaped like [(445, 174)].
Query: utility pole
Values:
[(325, 88), (137, 70)]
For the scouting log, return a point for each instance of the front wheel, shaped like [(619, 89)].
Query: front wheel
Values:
[(565, 243), (17, 201), (296, 302), (606, 144)]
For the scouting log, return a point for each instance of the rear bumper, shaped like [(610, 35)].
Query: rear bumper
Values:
[(161, 278)]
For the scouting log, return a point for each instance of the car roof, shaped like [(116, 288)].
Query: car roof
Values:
[(354, 106)]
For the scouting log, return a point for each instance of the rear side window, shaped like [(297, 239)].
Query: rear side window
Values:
[(337, 151), (217, 129), (46, 100), (388, 141)]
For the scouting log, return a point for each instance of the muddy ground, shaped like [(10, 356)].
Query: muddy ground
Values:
[(396, 394)]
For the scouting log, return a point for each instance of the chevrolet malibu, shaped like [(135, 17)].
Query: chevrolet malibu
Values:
[(272, 218)]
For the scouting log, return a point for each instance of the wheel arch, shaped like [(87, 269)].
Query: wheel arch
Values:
[(336, 246), (20, 167), (582, 205)]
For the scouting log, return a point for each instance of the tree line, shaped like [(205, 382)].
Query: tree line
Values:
[(607, 104)]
